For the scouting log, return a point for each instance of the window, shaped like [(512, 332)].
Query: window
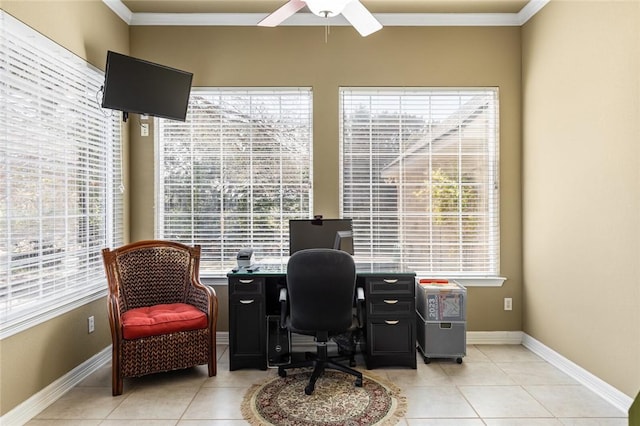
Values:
[(420, 177), (233, 174), (60, 178)]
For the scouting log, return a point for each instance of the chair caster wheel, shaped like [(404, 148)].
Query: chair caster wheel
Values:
[(308, 390), (459, 360), (358, 382), (282, 372), (427, 360), (352, 363)]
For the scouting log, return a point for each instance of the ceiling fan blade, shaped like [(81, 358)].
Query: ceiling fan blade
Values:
[(361, 19), (291, 7)]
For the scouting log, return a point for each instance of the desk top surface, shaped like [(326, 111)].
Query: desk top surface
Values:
[(362, 269)]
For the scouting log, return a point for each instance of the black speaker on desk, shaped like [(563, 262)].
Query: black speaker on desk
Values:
[(278, 342)]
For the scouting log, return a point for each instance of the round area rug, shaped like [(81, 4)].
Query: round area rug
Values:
[(335, 401)]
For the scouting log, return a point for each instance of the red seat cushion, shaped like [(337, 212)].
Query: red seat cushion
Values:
[(161, 319)]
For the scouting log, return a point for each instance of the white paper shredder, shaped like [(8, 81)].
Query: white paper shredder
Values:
[(245, 258)]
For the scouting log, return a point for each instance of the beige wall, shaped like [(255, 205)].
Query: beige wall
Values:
[(33, 359), (286, 56), (87, 28), (581, 185), (295, 56), (579, 95)]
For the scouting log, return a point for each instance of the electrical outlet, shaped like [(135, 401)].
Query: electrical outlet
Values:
[(91, 323), (508, 304), (144, 129)]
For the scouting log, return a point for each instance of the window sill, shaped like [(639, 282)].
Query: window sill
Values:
[(480, 281), (27, 319), (465, 281)]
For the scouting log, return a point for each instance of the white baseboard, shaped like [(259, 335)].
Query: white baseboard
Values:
[(222, 338), (473, 338), (612, 395), (50, 394), (494, 337), (582, 376), (38, 402)]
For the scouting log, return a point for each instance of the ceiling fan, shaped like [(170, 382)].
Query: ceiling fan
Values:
[(354, 12)]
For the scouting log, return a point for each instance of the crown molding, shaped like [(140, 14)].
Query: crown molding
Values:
[(120, 9), (308, 19), (530, 9)]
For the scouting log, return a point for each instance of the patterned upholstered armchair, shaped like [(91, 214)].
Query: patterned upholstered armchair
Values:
[(162, 318)]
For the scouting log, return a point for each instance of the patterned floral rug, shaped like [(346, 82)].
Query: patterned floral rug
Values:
[(335, 401)]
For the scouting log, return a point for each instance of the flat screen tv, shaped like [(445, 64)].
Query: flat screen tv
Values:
[(143, 87), (320, 233)]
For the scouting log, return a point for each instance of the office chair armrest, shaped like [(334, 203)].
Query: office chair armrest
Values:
[(360, 306), (283, 307)]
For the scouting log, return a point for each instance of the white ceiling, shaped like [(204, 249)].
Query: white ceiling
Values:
[(388, 12)]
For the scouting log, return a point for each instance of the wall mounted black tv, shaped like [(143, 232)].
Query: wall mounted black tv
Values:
[(143, 87)]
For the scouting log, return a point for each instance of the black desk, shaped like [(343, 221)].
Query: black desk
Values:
[(390, 319)]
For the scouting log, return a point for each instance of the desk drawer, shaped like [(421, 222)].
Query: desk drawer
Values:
[(391, 343), (397, 286), (390, 307), (246, 285)]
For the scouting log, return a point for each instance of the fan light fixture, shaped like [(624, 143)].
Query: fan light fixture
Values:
[(326, 8), (352, 10)]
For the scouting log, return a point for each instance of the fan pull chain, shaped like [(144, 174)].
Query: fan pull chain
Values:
[(326, 27)]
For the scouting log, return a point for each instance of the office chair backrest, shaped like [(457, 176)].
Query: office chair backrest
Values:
[(321, 285)]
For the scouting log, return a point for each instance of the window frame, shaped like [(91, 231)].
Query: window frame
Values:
[(474, 278), (227, 257), (75, 144)]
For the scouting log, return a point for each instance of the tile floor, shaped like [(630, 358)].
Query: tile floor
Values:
[(496, 385)]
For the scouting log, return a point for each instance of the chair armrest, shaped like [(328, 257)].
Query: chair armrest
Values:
[(205, 299), (198, 296), (360, 306), (115, 323), (283, 307)]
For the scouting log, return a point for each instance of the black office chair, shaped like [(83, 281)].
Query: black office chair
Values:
[(321, 284)]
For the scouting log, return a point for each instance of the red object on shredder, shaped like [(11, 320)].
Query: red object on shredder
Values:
[(433, 281)]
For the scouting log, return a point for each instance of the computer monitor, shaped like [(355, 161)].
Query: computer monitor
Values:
[(320, 233), (344, 241)]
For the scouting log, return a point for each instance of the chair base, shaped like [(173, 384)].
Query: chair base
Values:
[(348, 345), (319, 364)]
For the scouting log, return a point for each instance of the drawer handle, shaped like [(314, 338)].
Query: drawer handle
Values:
[(246, 302), (390, 302), (246, 281), (390, 281), (392, 322)]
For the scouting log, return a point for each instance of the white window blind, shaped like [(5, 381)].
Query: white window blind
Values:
[(420, 177), (60, 176), (233, 174)]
